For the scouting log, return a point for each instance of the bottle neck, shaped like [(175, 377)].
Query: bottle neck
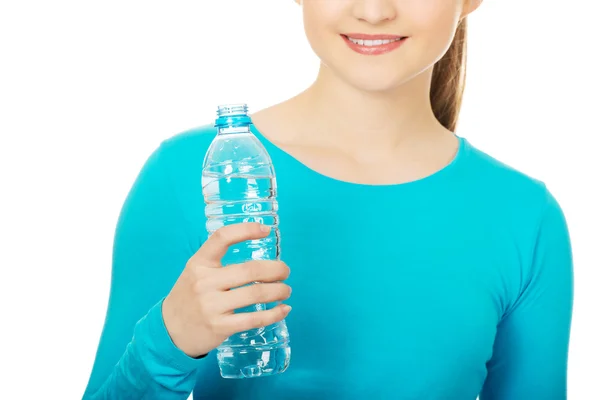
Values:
[(228, 130), (231, 120)]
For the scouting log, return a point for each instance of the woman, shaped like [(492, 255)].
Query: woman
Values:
[(422, 267)]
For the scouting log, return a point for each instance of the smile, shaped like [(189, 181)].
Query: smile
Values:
[(373, 44)]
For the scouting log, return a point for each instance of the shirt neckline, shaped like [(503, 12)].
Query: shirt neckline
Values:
[(436, 176)]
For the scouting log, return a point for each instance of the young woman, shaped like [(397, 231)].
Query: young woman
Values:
[(422, 267)]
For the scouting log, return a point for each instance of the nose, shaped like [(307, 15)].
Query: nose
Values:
[(374, 11)]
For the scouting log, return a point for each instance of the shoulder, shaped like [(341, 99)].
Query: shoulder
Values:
[(497, 178), (511, 194), (494, 172), (188, 145), (179, 160), (181, 155), (517, 204)]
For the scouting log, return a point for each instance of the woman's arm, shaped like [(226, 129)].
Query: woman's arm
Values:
[(136, 357), (531, 348)]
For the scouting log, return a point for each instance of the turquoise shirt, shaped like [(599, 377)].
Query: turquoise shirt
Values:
[(453, 286)]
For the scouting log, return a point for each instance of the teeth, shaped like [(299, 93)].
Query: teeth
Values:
[(362, 42)]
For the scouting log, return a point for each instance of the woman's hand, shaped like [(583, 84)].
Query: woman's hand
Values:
[(199, 310)]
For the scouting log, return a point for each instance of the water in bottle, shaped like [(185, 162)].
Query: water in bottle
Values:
[(239, 185)]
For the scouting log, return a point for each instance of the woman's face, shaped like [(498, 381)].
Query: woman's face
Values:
[(421, 30)]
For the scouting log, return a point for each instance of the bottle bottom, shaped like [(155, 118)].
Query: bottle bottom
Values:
[(253, 362)]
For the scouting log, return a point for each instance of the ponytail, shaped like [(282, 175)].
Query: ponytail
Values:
[(448, 81)]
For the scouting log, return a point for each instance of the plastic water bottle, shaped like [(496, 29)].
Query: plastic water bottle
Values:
[(239, 185)]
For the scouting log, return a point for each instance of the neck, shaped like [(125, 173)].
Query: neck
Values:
[(361, 121)]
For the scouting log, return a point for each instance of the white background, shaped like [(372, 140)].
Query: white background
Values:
[(88, 90)]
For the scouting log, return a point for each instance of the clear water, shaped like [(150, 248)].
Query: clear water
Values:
[(239, 185)]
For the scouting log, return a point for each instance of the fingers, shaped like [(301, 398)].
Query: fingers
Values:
[(236, 275), (253, 294), (217, 244), (252, 320)]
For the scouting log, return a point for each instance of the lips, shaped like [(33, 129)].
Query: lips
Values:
[(364, 36), (373, 44)]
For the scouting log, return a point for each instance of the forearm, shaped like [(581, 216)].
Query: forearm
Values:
[(151, 366)]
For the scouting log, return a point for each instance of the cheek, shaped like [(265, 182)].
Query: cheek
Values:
[(433, 24), (321, 17), (424, 11), (321, 20)]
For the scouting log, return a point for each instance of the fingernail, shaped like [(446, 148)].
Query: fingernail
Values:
[(287, 308), (265, 228)]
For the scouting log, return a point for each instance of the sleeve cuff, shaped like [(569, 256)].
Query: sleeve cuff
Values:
[(153, 334)]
